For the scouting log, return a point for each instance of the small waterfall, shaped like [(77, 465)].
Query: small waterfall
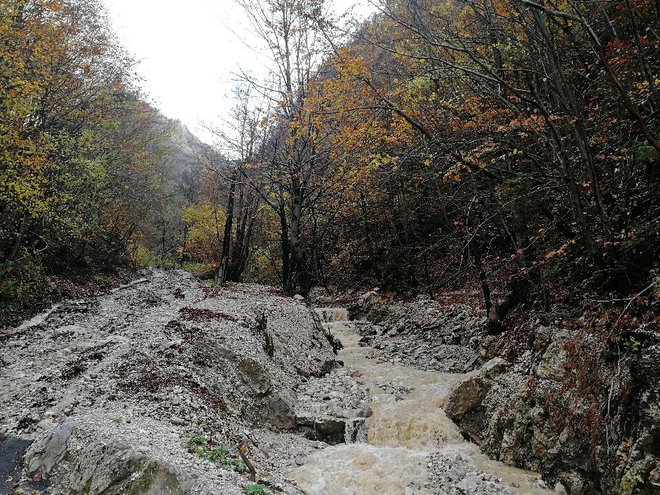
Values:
[(356, 431), (330, 315)]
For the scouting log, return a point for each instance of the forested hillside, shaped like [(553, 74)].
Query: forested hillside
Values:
[(511, 143), (91, 175), (505, 146), (499, 153)]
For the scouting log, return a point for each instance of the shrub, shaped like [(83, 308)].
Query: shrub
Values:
[(200, 446), (256, 490)]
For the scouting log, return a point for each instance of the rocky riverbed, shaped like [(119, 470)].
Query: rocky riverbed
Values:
[(167, 386), (407, 445), (568, 397)]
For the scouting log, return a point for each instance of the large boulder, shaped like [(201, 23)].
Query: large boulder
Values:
[(100, 466), (555, 360), (46, 453), (464, 402)]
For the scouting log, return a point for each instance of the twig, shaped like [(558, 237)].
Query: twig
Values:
[(632, 300), (250, 467)]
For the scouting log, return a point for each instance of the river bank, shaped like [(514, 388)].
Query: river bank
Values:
[(408, 445), (574, 398)]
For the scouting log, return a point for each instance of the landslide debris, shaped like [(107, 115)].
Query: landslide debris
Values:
[(106, 395)]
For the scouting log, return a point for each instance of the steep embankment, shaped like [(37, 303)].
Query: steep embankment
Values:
[(568, 402), (153, 387)]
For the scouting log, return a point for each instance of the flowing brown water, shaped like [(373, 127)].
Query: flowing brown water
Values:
[(408, 424)]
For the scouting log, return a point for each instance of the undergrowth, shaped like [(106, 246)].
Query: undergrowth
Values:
[(201, 446), (256, 489)]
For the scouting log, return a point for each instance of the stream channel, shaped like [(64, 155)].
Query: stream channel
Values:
[(408, 425)]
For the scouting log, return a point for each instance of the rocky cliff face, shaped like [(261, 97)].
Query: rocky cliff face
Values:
[(184, 152), (576, 409), (569, 403)]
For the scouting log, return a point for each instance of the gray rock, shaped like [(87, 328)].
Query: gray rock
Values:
[(281, 410), (365, 412), (466, 396), (45, 454), (329, 430), (106, 468), (494, 367), (470, 393), (468, 485), (553, 365)]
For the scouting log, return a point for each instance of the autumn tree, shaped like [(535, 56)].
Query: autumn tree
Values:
[(242, 140), (61, 71), (290, 167), (500, 128), (79, 148)]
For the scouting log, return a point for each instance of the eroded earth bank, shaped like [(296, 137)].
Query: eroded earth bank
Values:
[(165, 386)]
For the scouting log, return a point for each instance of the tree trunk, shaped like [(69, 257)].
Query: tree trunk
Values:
[(300, 279), (286, 249), (223, 269)]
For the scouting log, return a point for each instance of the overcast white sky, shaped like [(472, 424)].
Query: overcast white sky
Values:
[(189, 51)]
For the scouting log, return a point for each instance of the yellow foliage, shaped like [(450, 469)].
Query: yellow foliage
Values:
[(205, 226)]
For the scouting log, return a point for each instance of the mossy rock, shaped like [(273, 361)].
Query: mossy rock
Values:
[(155, 480)]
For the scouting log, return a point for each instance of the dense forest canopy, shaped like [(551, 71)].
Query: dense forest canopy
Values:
[(506, 146)]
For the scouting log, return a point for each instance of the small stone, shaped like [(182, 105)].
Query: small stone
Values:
[(365, 412), (468, 485), (338, 413), (175, 420), (541, 484)]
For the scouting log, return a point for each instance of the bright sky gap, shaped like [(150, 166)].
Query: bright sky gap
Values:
[(189, 53)]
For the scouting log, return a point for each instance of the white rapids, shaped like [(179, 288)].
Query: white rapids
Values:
[(407, 425)]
